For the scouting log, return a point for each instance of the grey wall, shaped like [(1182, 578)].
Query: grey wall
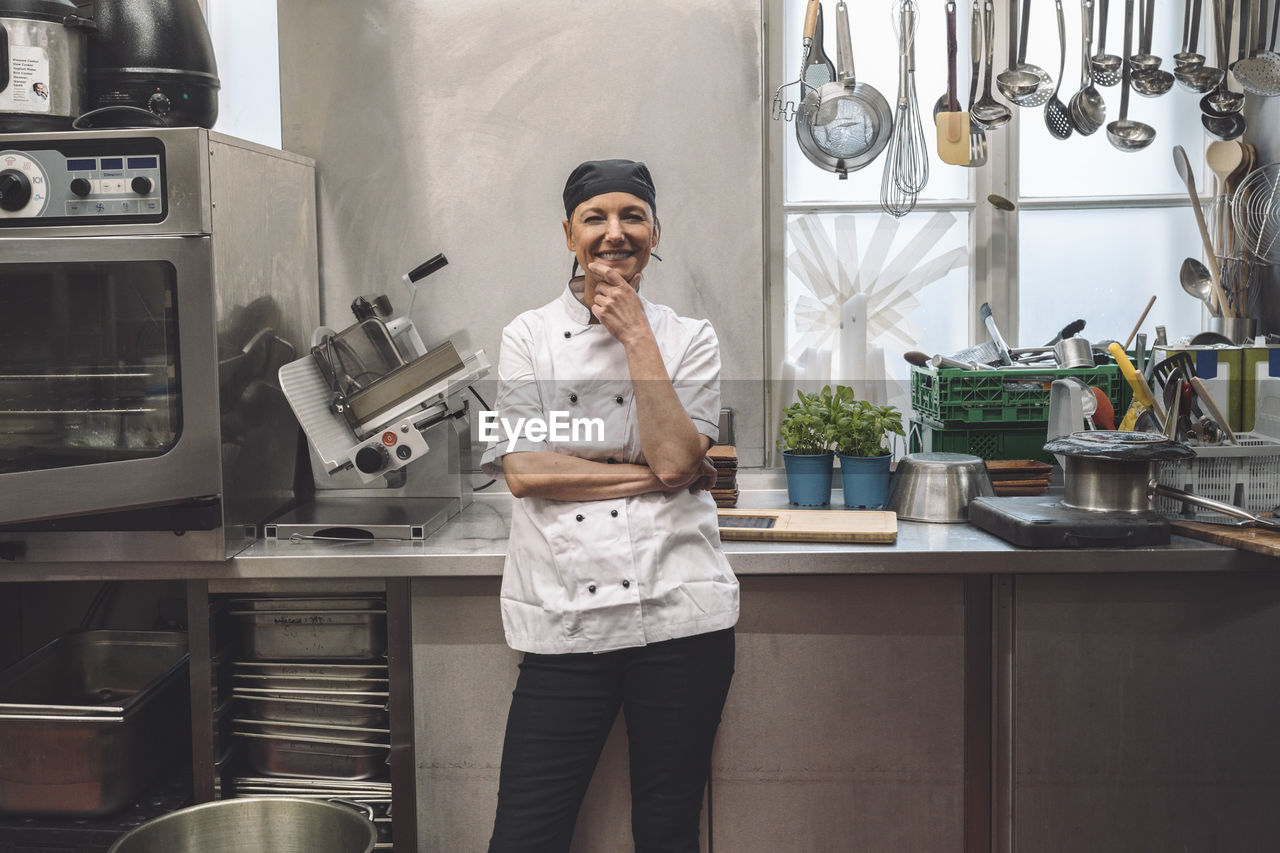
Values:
[(450, 127)]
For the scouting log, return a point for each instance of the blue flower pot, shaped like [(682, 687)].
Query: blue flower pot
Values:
[(865, 480), (808, 478)]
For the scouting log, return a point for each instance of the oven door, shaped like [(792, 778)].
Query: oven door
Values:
[(108, 376)]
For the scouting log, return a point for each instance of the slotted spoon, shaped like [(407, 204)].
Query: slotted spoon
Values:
[(1056, 115)]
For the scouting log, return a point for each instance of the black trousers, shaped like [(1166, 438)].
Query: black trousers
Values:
[(562, 709)]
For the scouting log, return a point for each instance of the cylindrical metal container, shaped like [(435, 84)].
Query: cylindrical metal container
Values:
[(1108, 485), (1073, 352), (937, 487), (43, 44), (254, 825)]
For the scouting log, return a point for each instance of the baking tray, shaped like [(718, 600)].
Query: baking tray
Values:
[(312, 634), (93, 764), (314, 758)]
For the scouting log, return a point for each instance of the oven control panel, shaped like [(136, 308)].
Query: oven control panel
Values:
[(83, 181)]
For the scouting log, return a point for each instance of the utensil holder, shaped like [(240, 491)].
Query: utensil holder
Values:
[(1239, 330)]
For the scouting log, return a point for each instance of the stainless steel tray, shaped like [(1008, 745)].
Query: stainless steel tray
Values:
[(315, 711), (312, 602), (312, 634), (297, 668), (362, 734), (329, 684), (314, 757), (93, 764)]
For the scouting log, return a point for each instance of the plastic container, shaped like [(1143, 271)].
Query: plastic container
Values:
[(1011, 442), (1247, 476), (952, 397)]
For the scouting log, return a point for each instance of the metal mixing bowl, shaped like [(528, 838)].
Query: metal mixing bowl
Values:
[(937, 487)]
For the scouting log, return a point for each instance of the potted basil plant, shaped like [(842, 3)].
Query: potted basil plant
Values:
[(863, 437), (806, 436)]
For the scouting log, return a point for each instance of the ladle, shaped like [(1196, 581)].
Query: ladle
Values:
[(1088, 110), (1260, 73), (1106, 66), (1190, 71), (1187, 57), (1056, 116), (1013, 82), (1143, 58), (1044, 83), (1222, 102), (1126, 135), (1183, 165), (989, 112), (1148, 80)]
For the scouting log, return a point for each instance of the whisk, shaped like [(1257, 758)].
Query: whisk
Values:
[(906, 165)]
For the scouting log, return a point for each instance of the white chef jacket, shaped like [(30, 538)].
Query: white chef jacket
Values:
[(592, 576)]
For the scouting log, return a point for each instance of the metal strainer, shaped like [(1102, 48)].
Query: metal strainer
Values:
[(1255, 211), (843, 126)]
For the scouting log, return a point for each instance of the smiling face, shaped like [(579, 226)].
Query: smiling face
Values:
[(617, 229)]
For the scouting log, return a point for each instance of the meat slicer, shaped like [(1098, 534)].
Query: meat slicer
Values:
[(387, 424)]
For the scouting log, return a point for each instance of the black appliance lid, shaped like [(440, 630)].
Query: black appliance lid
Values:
[(1120, 446), (41, 10)]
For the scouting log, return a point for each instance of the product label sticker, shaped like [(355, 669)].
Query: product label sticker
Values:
[(28, 89)]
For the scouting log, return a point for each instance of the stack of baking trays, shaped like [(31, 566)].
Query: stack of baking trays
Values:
[(311, 689)]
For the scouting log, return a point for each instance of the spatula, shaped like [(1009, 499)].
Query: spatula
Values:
[(952, 122)]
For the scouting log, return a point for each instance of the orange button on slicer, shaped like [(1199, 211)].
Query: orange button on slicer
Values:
[(389, 438)]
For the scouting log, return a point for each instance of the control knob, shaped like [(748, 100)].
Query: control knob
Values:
[(159, 104), (141, 185), (371, 459), (81, 187), (15, 190)]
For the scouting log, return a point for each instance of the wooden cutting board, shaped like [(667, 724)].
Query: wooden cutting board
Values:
[(1245, 538), (808, 525)]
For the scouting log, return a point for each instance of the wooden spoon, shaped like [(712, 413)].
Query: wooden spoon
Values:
[(1223, 158), (1183, 165)]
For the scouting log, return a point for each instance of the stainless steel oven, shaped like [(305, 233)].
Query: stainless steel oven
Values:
[(152, 282)]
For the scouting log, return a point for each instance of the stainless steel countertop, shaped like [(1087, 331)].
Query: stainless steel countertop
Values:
[(473, 544)]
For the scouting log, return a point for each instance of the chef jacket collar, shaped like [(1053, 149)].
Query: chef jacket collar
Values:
[(580, 315)]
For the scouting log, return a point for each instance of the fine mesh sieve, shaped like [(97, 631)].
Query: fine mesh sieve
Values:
[(843, 126)]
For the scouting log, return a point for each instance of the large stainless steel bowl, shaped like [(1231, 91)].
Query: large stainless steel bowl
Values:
[(937, 487), (254, 825)]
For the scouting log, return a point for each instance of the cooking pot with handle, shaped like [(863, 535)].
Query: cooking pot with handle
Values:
[(42, 64)]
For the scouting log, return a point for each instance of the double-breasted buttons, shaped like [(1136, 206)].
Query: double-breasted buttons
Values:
[(573, 398), (592, 589), (618, 399), (568, 334), (613, 512), (580, 517), (626, 584)]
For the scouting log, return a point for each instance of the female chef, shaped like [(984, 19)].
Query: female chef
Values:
[(615, 586)]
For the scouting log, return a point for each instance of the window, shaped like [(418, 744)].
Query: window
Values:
[(1094, 235)]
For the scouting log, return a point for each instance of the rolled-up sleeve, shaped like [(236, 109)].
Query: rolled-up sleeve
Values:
[(697, 381), (518, 397)]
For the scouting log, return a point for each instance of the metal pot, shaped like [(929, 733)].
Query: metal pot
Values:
[(254, 825), (151, 57), (1112, 471), (42, 64), (937, 487)]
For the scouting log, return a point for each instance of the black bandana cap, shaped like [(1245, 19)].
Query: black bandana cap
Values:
[(595, 177)]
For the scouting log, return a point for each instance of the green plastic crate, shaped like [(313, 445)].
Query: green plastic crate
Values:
[(990, 443), (951, 397)]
